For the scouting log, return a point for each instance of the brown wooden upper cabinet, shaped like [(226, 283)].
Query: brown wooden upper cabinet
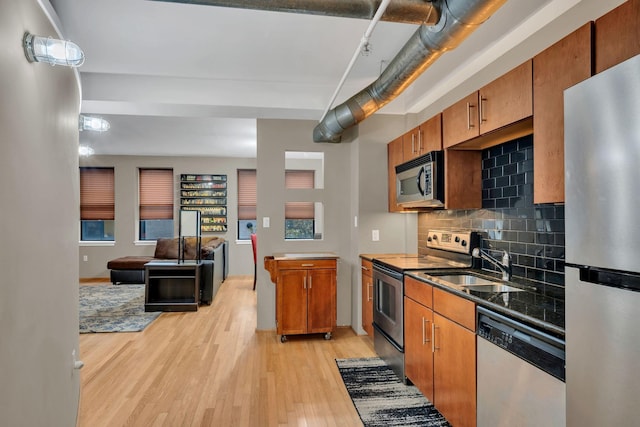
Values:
[(422, 139), (557, 68), (617, 35), (506, 100)]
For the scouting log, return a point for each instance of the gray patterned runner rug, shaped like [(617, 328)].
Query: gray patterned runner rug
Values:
[(381, 399), (110, 308)]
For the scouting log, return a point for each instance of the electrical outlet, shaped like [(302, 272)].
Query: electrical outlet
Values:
[(85, 258), (375, 235), (265, 222)]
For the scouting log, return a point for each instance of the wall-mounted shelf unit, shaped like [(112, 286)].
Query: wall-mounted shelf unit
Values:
[(207, 194)]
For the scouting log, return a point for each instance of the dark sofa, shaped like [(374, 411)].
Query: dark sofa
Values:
[(214, 253)]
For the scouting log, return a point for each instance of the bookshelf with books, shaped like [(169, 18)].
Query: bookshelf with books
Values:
[(207, 194)]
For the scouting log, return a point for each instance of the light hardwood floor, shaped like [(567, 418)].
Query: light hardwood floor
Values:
[(211, 368)]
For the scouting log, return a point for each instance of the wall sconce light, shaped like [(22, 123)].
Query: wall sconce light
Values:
[(85, 151), (96, 124), (52, 51)]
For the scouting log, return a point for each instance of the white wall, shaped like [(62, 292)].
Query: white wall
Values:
[(355, 185), (398, 231), (274, 138), (126, 206), (39, 188)]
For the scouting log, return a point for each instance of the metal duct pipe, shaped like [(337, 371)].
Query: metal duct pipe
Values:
[(403, 11), (458, 19)]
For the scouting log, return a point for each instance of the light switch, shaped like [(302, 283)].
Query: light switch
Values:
[(375, 235), (265, 222)]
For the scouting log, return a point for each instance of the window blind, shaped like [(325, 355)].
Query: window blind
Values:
[(299, 179), (156, 194), (247, 194), (97, 195)]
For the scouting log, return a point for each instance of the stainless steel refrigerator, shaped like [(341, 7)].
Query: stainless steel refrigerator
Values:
[(602, 214)]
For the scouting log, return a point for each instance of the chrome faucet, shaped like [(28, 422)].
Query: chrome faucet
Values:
[(504, 266)]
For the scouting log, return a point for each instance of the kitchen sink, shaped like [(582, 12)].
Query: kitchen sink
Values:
[(466, 280), (478, 284), (493, 288)]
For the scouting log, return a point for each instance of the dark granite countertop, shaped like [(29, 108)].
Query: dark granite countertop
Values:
[(529, 305)]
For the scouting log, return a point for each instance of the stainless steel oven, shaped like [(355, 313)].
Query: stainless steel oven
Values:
[(388, 316), (388, 312), (445, 250)]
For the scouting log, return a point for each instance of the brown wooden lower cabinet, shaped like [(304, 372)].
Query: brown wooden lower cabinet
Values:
[(367, 296), (440, 350), (418, 357), (454, 372)]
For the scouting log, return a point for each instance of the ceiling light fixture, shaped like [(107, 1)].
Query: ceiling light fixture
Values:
[(96, 124), (85, 151), (52, 51)]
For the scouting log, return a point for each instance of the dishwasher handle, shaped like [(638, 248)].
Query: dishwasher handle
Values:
[(532, 345)]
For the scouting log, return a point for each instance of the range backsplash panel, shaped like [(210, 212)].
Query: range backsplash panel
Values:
[(508, 220)]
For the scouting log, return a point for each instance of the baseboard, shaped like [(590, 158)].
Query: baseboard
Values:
[(94, 279)]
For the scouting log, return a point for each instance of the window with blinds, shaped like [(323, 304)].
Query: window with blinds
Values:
[(97, 204), (299, 216), (247, 201), (156, 203)]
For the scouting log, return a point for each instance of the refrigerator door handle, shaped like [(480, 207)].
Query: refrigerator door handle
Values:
[(612, 278)]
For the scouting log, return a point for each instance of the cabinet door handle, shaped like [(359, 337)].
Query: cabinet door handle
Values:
[(369, 289), (304, 282), (433, 338), (469, 122), (483, 100), (413, 143), (310, 282), (420, 141), (424, 331), (364, 268)]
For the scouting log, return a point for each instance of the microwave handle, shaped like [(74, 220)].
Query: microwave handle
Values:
[(420, 189)]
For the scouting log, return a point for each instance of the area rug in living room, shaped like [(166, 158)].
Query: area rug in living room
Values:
[(110, 308), (382, 400)]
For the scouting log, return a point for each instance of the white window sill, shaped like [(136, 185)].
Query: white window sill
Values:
[(97, 243), (243, 242), (145, 243)]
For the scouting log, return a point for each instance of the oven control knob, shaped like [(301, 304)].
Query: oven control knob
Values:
[(429, 239), (457, 239), (435, 237), (463, 243)]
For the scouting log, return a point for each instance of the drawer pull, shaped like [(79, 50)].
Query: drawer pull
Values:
[(433, 338), (469, 122), (307, 265), (425, 340)]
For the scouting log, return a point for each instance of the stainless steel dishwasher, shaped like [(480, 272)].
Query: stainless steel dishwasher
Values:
[(520, 374)]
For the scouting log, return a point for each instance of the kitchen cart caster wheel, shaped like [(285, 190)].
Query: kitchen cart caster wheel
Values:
[(283, 338), (327, 336)]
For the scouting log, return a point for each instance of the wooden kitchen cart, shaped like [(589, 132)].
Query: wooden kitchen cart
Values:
[(306, 286)]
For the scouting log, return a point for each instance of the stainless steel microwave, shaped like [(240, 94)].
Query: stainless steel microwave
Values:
[(420, 182)]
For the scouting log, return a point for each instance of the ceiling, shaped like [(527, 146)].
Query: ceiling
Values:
[(184, 79)]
